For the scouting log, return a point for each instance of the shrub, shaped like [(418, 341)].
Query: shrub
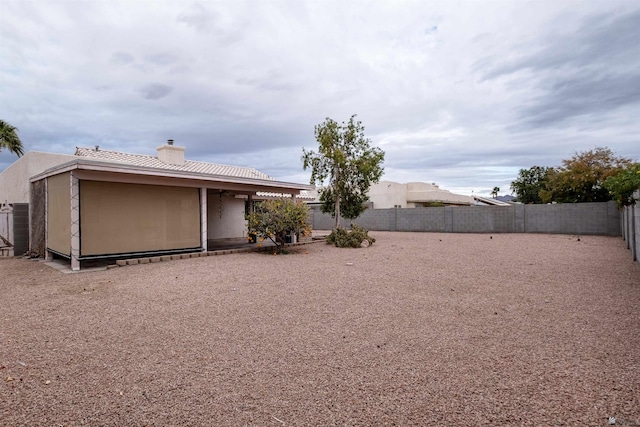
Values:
[(350, 238), (275, 219)]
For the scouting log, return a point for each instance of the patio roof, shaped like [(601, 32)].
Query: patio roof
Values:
[(107, 165)]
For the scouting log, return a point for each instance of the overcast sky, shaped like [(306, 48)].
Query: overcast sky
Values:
[(460, 93)]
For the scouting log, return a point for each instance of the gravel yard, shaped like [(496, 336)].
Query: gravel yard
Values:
[(418, 329)]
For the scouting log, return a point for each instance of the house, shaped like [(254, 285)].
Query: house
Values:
[(487, 201), (100, 204), (389, 194)]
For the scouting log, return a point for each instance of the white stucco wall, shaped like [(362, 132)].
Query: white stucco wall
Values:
[(14, 180), (388, 194), (422, 192), (225, 217)]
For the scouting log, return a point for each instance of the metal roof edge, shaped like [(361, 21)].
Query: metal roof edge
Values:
[(118, 167)]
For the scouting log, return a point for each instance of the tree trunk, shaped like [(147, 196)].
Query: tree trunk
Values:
[(336, 194)]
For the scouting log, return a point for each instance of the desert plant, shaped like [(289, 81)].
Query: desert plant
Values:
[(353, 238), (275, 219)]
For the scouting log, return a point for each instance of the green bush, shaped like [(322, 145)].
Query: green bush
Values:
[(350, 238), (275, 219)]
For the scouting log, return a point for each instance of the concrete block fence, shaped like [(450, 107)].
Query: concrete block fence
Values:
[(630, 225), (569, 218)]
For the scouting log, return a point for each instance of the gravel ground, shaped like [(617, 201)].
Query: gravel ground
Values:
[(418, 329)]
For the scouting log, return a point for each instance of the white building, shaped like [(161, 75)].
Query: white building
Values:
[(389, 194)]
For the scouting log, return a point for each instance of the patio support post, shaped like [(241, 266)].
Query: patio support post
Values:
[(294, 236), (75, 223), (203, 219), (47, 254)]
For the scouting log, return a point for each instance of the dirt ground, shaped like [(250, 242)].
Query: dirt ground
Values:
[(418, 329)]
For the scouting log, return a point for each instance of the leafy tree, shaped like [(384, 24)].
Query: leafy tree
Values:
[(530, 183), (9, 138), (346, 159), (495, 192), (274, 219), (581, 178), (622, 185)]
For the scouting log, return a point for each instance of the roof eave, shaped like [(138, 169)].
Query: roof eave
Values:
[(102, 166)]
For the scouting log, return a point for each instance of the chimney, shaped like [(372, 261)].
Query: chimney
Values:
[(171, 154)]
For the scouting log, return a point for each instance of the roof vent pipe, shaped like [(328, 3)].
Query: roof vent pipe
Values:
[(170, 141)]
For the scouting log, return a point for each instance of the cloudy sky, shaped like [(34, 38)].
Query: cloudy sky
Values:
[(461, 93)]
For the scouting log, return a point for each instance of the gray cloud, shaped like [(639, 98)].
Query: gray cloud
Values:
[(212, 22), (121, 58), (154, 91), (165, 58), (599, 40), (461, 96), (590, 71), (198, 17), (577, 97)]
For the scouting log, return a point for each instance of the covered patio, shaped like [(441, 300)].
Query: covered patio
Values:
[(100, 208)]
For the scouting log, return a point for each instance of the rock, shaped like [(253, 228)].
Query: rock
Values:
[(364, 244)]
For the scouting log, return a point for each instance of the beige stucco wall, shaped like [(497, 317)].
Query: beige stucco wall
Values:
[(388, 194), (59, 213), (14, 180), (422, 192), (225, 217)]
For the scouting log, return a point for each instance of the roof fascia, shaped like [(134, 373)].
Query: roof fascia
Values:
[(134, 173)]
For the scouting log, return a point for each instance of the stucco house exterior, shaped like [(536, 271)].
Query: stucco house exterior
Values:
[(389, 194), (101, 204)]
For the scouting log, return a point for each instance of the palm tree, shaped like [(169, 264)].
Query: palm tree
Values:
[(495, 191), (9, 138)]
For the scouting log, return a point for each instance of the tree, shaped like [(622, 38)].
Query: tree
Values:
[(581, 178), (274, 219), (495, 192), (346, 159), (9, 138), (622, 185), (530, 183)]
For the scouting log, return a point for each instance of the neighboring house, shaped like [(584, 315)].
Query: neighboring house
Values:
[(14, 180), (389, 194), (487, 201), (105, 204)]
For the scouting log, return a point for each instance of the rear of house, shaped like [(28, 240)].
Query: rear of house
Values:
[(106, 204)]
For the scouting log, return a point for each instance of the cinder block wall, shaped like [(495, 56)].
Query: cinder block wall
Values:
[(483, 219), (570, 218), (630, 224), (636, 238)]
